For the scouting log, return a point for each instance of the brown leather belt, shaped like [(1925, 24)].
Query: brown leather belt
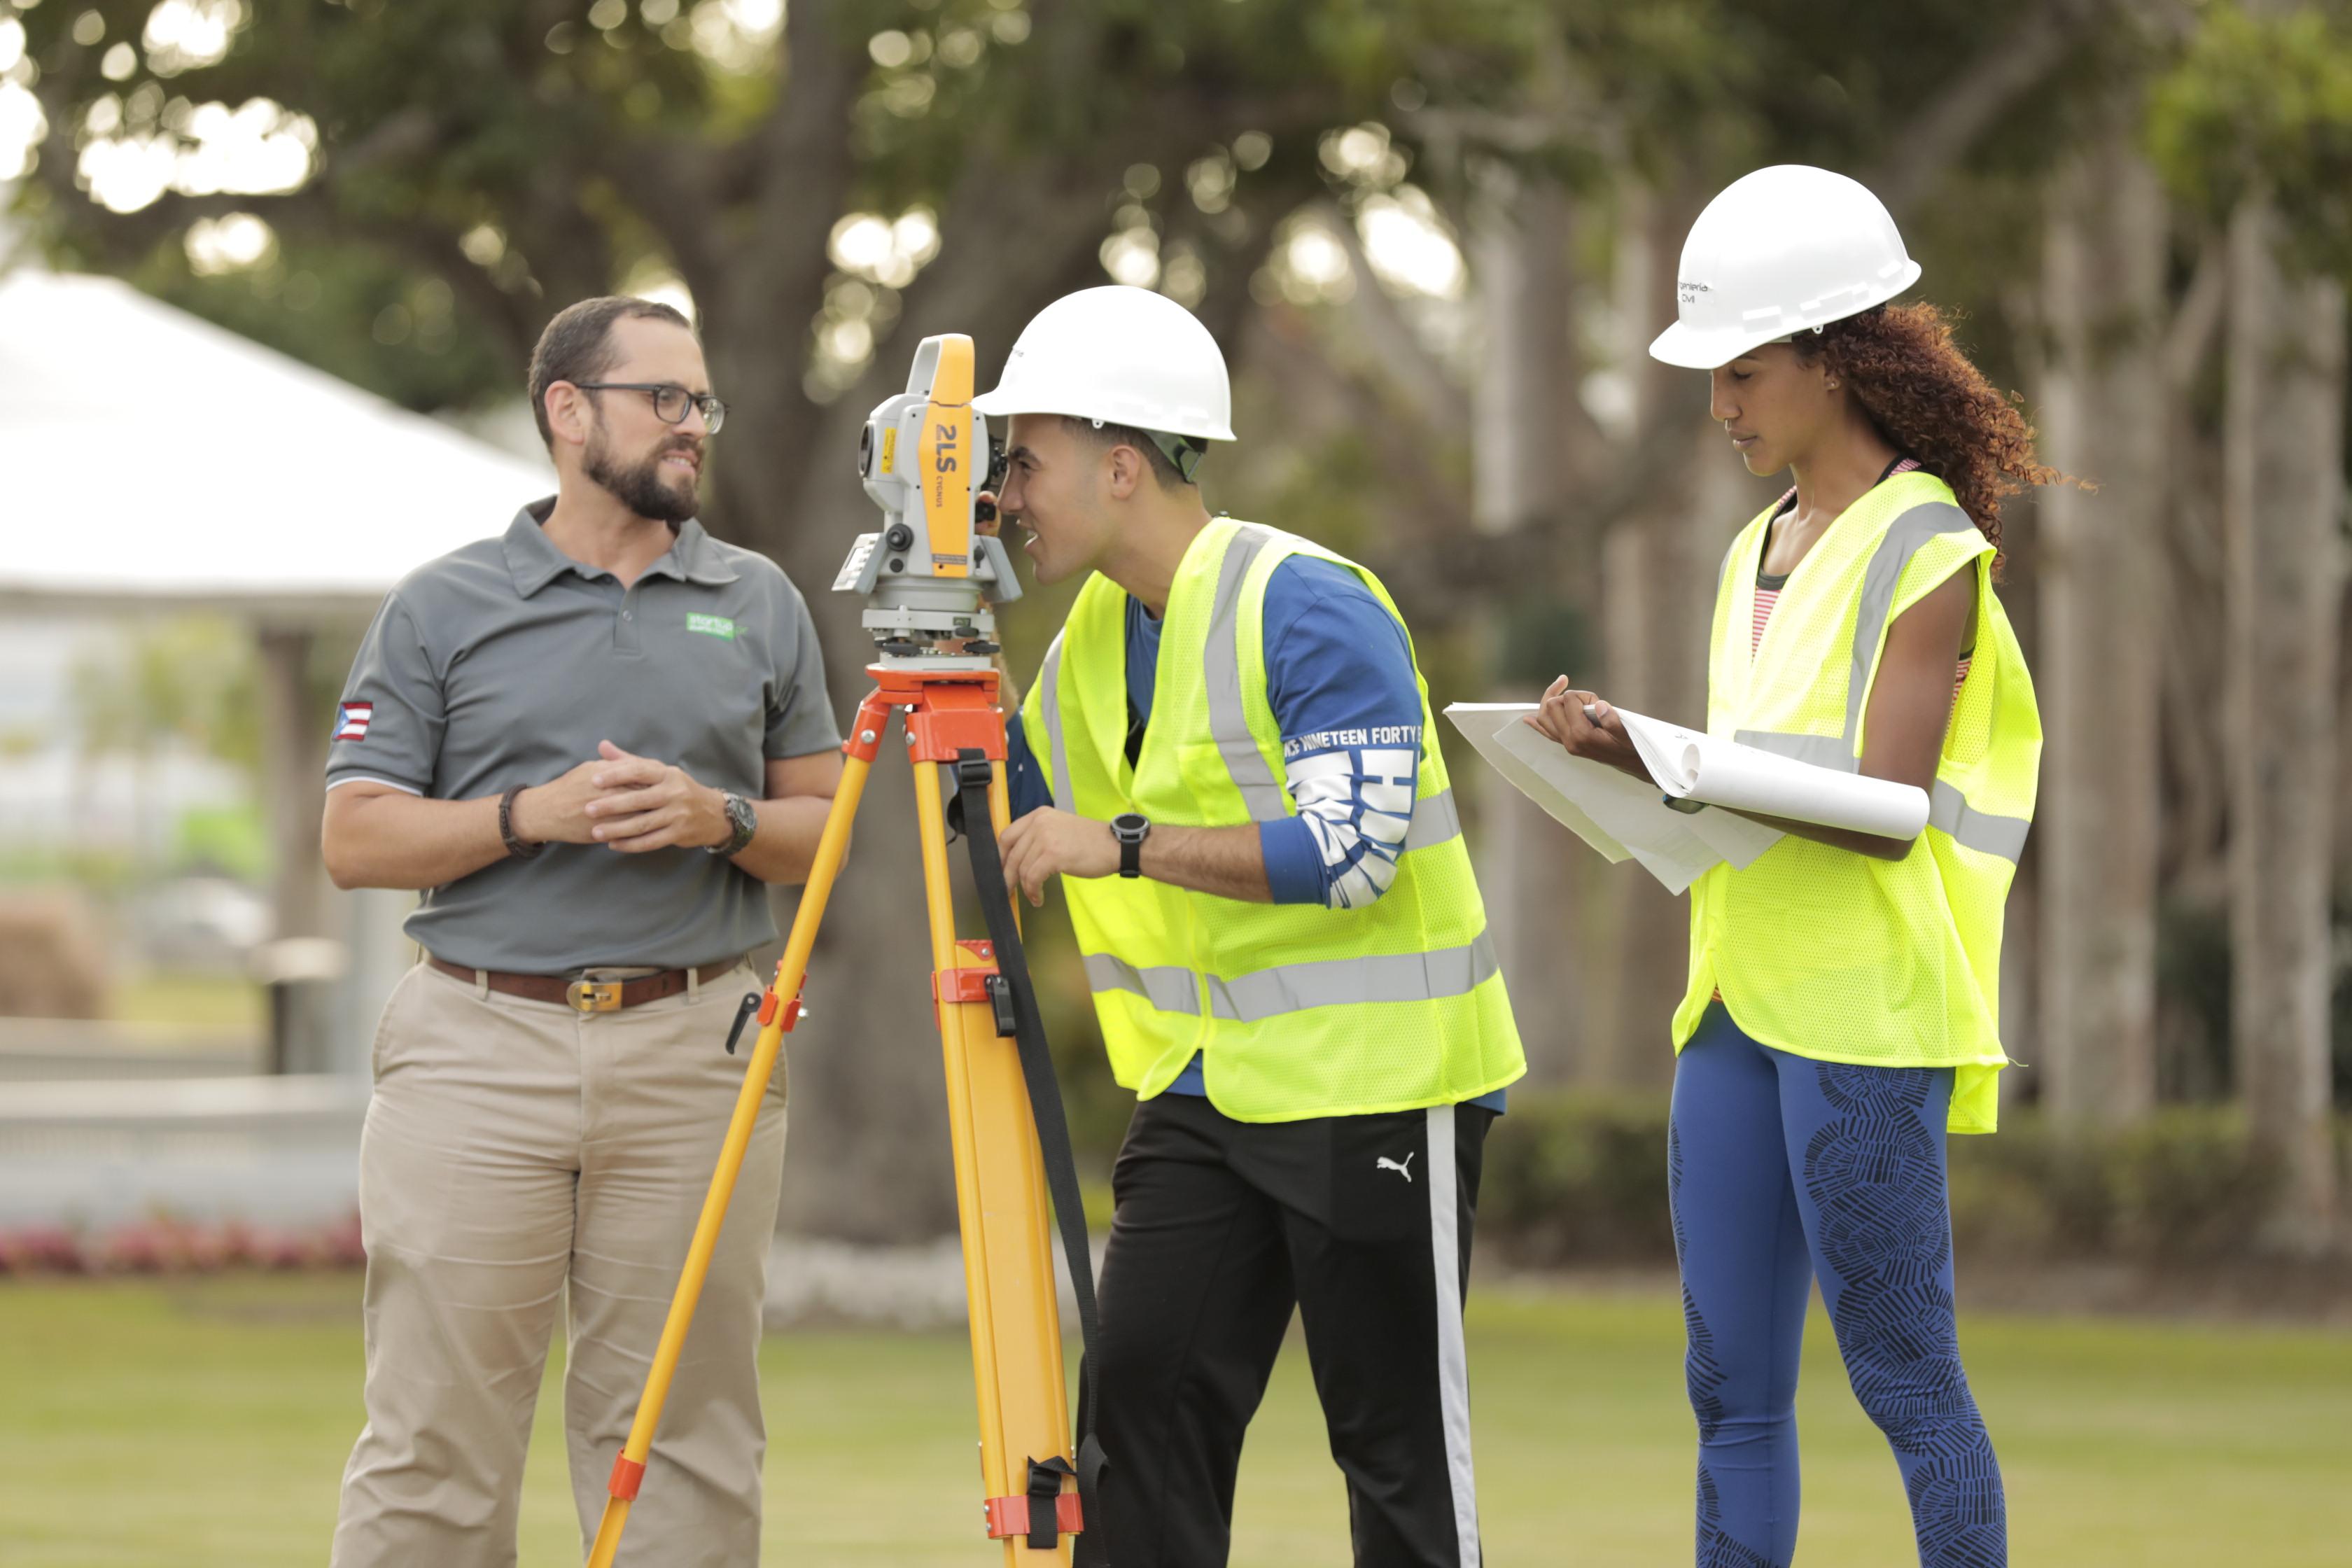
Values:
[(588, 996)]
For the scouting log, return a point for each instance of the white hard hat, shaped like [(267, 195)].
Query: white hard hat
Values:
[(1120, 355), (1779, 251)]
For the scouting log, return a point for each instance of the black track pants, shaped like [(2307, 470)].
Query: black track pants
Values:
[(1363, 1224)]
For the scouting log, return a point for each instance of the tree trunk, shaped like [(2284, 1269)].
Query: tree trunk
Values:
[(1534, 882), (294, 744), (1660, 568), (2344, 752), (2284, 491), (2101, 581), (1662, 572)]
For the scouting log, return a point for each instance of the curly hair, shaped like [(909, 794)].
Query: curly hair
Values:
[(1902, 366)]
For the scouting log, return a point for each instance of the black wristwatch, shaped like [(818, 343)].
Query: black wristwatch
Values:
[(1130, 829), (742, 819)]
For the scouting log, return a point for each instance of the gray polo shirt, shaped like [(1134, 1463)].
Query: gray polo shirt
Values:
[(506, 662)]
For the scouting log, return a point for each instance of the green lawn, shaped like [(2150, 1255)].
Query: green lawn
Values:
[(226, 1002), (205, 1425)]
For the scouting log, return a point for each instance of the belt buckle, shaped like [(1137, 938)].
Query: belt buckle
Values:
[(595, 996)]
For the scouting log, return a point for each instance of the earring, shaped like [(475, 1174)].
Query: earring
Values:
[(1834, 386)]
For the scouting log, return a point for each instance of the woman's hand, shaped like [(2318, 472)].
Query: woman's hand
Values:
[(1583, 725)]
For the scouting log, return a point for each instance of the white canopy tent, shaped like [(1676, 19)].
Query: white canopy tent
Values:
[(151, 462), (146, 455)]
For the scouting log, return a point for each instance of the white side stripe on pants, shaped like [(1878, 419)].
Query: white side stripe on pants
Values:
[(1453, 1358)]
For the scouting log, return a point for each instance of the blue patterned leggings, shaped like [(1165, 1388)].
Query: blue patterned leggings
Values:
[(1785, 1169)]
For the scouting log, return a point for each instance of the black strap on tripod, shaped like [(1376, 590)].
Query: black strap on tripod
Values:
[(974, 773)]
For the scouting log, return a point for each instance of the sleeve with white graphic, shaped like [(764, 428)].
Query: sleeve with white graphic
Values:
[(1339, 678), (388, 724)]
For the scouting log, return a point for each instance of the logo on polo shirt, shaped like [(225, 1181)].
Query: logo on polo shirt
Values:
[(711, 625), (352, 721)]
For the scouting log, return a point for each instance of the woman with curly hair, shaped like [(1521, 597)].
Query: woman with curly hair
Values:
[(1840, 1016)]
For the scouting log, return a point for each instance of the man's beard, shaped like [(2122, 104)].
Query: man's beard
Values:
[(640, 486)]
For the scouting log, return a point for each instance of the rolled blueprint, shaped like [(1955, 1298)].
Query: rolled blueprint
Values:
[(1692, 766), (1624, 818)]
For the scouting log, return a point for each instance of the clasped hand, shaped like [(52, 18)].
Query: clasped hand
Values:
[(623, 801)]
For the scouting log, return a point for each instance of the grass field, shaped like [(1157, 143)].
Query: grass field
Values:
[(222, 1001), (204, 1425)]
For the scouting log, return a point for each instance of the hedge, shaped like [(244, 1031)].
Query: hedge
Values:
[(1577, 1179)]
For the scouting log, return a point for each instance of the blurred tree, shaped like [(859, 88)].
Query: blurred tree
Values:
[(830, 179), (818, 179), (2256, 125), (2104, 302)]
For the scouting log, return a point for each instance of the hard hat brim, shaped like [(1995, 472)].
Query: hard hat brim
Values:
[(1692, 349), (1000, 403), (1680, 345)]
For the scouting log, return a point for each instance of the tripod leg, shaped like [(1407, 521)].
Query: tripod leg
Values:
[(774, 1018), (1001, 1205)]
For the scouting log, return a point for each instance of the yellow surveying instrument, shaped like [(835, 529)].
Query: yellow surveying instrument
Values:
[(923, 575)]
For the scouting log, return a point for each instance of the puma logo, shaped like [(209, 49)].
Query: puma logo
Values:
[(1385, 1164)]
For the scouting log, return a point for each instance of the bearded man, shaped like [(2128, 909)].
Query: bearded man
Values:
[(588, 743)]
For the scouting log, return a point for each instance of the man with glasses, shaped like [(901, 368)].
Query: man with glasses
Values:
[(588, 743)]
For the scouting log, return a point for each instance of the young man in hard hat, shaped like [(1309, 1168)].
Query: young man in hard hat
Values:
[(1228, 757)]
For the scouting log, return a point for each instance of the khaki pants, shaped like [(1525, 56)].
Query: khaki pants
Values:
[(517, 1155)]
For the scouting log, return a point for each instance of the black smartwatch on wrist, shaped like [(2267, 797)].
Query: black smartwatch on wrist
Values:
[(1130, 829)]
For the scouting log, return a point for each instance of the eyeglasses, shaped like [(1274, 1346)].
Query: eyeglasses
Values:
[(670, 400)]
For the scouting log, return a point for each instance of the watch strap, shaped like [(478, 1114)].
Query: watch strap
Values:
[(1130, 841), (515, 848)]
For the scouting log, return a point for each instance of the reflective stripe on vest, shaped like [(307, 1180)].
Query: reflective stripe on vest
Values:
[(1948, 810), (1435, 821), (1049, 680), (1169, 987), (1262, 793), (1297, 987), (1334, 982)]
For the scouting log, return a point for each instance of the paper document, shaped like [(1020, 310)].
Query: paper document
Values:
[(1624, 818), (1692, 766)]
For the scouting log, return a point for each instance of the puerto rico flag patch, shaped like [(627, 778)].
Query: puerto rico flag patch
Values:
[(352, 721)]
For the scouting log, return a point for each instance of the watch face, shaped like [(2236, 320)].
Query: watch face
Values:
[(1130, 825)]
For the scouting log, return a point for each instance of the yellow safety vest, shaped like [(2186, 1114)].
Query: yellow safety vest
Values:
[(1826, 952), (1297, 1010)]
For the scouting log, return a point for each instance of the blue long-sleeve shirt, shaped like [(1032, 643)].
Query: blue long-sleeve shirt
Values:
[(1339, 677)]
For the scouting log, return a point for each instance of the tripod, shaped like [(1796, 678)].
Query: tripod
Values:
[(1005, 1114)]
